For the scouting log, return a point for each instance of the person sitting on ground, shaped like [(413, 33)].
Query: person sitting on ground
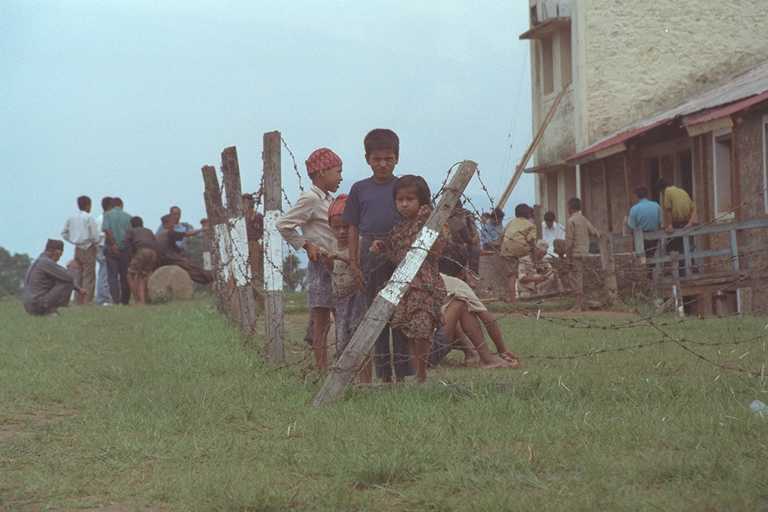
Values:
[(492, 231), (577, 233), (519, 237), (184, 228), (551, 230), (48, 285), (462, 313), (536, 275), (170, 254), (141, 244), (462, 249)]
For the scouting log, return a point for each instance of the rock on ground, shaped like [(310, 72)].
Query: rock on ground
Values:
[(170, 282)]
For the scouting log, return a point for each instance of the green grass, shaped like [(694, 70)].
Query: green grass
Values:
[(165, 407)]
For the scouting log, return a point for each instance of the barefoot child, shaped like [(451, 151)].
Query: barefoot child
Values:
[(310, 214), (418, 313), (370, 212), (349, 298)]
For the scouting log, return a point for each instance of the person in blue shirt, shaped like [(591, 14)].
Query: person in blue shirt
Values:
[(492, 230), (645, 215)]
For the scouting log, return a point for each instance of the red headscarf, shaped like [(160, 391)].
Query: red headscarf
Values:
[(322, 159), (337, 206)]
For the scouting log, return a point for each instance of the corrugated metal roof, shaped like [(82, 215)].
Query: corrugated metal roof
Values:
[(752, 83)]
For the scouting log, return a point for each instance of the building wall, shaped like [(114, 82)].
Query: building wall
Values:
[(558, 142), (637, 58)]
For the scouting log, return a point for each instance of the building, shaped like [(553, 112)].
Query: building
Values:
[(674, 89)]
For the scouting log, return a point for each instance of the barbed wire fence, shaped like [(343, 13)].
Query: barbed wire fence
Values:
[(240, 262)]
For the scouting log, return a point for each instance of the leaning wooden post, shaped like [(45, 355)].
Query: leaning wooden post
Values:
[(241, 268), (609, 268), (350, 361), (216, 222), (273, 248)]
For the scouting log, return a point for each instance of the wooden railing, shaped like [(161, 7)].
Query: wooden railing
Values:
[(688, 235)]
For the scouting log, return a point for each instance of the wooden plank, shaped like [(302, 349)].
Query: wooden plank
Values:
[(734, 250), (531, 148), (639, 240), (694, 255), (710, 229), (215, 213), (386, 301), (687, 254), (609, 268), (607, 198), (273, 248), (240, 274)]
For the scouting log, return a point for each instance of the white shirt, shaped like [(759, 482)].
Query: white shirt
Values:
[(99, 223), (81, 230), (556, 232), (310, 214)]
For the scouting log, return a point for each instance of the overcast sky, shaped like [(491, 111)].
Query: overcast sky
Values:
[(131, 98)]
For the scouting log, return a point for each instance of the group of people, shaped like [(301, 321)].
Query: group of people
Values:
[(114, 258), (355, 241)]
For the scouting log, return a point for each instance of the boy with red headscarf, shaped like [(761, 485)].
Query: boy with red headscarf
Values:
[(310, 215)]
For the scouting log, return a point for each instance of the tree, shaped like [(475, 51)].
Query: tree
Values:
[(293, 274), (12, 271)]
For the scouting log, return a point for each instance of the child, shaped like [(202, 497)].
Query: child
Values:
[(370, 212), (349, 300), (141, 245), (577, 232), (419, 312), (311, 215)]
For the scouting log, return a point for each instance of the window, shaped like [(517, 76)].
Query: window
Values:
[(722, 142), (565, 58), (765, 162), (547, 66), (684, 175)]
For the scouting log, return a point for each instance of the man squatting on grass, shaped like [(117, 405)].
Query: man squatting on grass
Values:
[(370, 212), (310, 214), (48, 285)]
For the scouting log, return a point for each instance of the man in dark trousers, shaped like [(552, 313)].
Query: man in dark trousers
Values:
[(116, 223), (48, 285)]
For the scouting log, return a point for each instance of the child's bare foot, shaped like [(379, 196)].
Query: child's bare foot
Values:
[(511, 358), (494, 362), (471, 360)]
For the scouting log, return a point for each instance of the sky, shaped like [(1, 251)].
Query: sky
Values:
[(131, 99)]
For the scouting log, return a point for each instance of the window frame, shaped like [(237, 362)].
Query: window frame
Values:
[(716, 134)]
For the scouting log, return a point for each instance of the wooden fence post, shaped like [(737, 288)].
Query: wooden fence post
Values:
[(350, 361), (609, 268), (215, 212), (273, 248), (238, 238)]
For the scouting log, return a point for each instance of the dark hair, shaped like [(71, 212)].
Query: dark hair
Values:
[(550, 215), (166, 218), (523, 211), (661, 184), (417, 183), (574, 204), (172, 207), (54, 245), (641, 192), (106, 203), (137, 222), (498, 213), (116, 201), (381, 139), (83, 202)]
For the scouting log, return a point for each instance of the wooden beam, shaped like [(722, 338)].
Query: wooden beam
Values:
[(215, 212), (609, 268), (273, 248), (702, 128), (531, 148), (238, 242), (350, 361)]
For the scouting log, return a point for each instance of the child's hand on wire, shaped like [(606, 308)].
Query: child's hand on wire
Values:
[(313, 251), (377, 246)]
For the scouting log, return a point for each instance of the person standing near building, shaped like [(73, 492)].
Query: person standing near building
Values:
[(551, 230), (646, 216), (577, 233), (82, 231), (116, 223), (679, 212), (492, 230), (48, 285), (103, 295), (518, 241)]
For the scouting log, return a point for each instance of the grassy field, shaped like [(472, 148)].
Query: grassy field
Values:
[(164, 408)]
